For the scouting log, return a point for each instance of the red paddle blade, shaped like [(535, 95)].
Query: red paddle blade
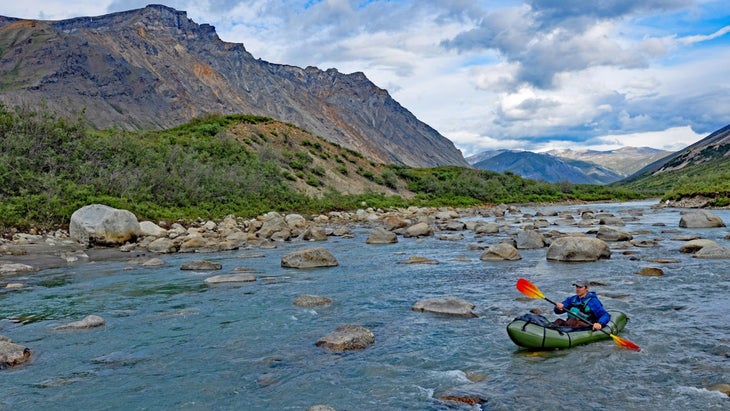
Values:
[(529, 289), (624, 343)]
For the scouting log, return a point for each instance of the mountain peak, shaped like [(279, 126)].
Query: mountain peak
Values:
[(155, 68)]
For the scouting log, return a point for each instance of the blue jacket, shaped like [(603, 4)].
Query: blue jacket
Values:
[(589, 306)]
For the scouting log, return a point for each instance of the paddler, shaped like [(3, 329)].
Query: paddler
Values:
[(584, 308)]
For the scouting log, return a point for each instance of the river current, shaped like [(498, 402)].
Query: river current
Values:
[(173, 342)]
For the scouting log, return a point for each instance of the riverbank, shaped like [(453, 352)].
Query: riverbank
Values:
[(47, 252), (29, 252)]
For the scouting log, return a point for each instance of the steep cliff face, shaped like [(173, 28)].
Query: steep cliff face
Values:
[(155, 68)]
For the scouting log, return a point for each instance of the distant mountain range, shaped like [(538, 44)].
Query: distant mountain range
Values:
[(153, 68), (575, 166)]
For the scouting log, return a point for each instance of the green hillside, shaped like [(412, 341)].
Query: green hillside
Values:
[(219, 165), (709, 179)]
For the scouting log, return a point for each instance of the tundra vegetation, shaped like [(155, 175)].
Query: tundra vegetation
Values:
[(244, 165)]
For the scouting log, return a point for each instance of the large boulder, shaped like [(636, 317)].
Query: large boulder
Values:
[(148, 228), (486, 228), (314, 233), (162, 245), (274, 227), (98, 224), (692, 246), (500, 252), (309, 258), (700, 219), (421, 229), (530, 239), (713, 251), (380, 235), (578, 249), (608, 233)]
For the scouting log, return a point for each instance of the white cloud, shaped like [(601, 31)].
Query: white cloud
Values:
[(671, 139)]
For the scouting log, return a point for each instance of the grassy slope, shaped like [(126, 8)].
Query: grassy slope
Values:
[(219, 165), (709, 179)]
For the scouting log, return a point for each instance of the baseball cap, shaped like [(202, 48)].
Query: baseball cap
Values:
[(581, 283)]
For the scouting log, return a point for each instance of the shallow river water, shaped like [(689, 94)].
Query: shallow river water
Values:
[(172, 342)]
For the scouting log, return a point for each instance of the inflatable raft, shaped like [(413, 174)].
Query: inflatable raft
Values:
[(535, 331)]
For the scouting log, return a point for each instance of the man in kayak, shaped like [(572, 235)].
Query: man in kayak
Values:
[(583, 309)]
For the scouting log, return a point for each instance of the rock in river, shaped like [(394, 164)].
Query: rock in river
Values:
[(309, 258), (578, 249), (90, 321), (347, 337), (445, 305), (103, 225), (12, 354)]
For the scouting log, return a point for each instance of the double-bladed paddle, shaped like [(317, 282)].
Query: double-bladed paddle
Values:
[(529, 289)]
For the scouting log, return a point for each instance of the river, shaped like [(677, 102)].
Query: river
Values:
[(173, 342)]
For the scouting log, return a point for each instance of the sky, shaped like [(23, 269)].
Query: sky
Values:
[(495, 74)]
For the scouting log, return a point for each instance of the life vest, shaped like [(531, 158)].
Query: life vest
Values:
[(581, 311)]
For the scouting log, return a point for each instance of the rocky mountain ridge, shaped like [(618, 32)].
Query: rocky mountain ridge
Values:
[(713, 148), (624, 161), (154, 68)]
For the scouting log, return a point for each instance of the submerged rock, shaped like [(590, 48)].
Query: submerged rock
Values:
[(320, 407), (12, 268), (415, 259), (723, 388), (230, 278), (651, 272), (347, 337), (201, 265), (307, 300), (90, 321), (445, 305)]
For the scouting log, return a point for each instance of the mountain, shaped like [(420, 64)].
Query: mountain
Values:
[(545, 167), (624, 161), (698, 176), (154, 68), (715, 148), (484, 155)]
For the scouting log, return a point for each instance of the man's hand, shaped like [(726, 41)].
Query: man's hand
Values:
[(597, 326)]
